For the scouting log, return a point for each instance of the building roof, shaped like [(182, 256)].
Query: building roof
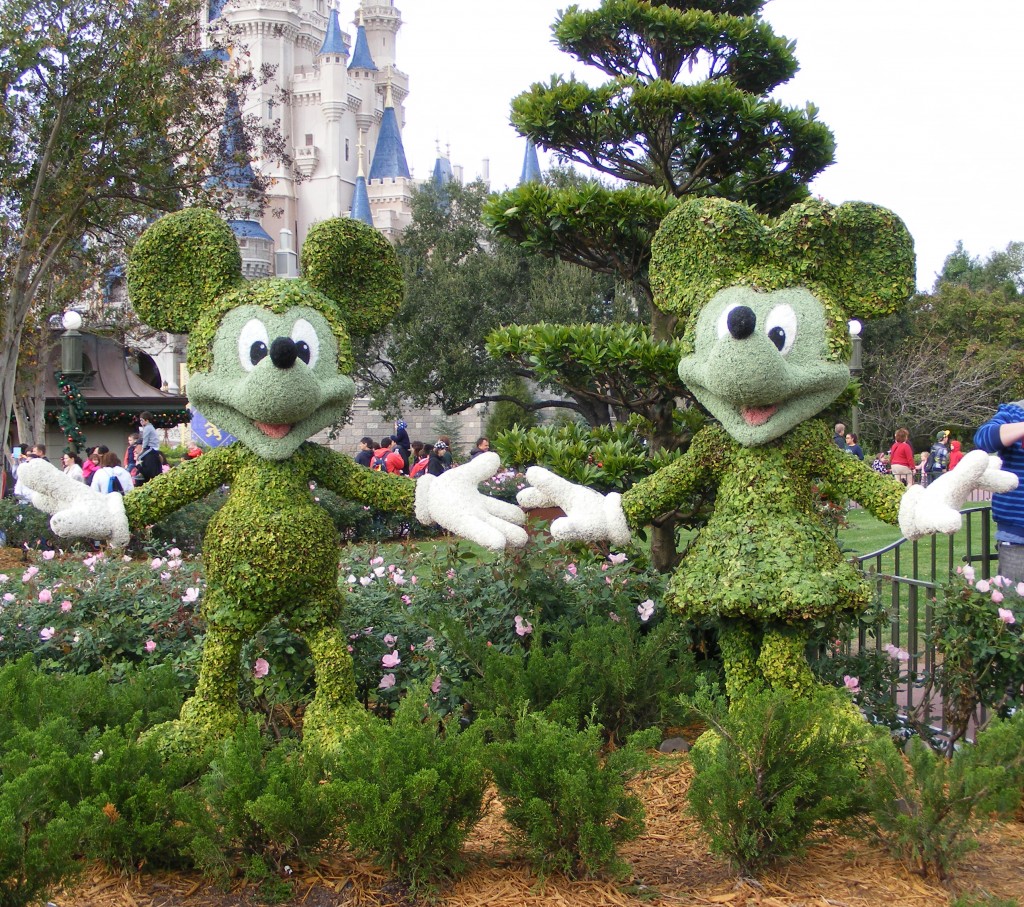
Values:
[(531, 166), (442, 172), (361, 202), (361, 56), (334, 40), (389, 155), (112, 386), (215, 8), (232, 169), (248, 229)]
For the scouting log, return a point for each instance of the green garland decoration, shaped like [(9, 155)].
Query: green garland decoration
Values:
[(69, 417)]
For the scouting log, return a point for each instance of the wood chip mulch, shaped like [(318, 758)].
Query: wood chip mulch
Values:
[(670, 865)]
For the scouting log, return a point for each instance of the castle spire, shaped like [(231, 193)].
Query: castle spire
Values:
[(531, 166), (361, 56), (389, 155), (334, 41), (360, 197)]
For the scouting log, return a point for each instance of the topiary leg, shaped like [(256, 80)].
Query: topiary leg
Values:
[(783, 659), (738, 641), (334, 709)]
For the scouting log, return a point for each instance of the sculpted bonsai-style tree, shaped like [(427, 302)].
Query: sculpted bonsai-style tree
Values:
[(764, 306), (270, 363)]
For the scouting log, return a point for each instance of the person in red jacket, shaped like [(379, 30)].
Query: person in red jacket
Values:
[(388, 459), (955, 454), (901, 458)]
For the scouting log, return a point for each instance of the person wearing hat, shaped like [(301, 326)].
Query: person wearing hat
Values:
[(1003, 435), (938, 457), (435, 461)]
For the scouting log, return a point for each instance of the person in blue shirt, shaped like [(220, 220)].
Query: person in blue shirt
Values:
[(1002, 435)]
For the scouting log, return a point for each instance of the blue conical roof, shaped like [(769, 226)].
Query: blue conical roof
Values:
[(215, 8), (361, 57), (248, 229), (531, 166), (334, 41), (389, 156), (361, 202), (233, 169)]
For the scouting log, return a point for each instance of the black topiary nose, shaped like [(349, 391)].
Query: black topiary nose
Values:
[(283, 352), (741, 322)]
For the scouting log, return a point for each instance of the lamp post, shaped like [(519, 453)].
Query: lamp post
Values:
[(856, 369)]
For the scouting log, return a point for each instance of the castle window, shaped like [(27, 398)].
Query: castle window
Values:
[(346, 149), (309, 139)]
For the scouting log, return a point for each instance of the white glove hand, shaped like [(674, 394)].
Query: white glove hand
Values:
[(937, 507), (454, 501), (589, 515), (78, 510)]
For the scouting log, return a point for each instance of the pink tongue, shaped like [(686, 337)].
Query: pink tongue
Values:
[(757, 415), (273, 431)]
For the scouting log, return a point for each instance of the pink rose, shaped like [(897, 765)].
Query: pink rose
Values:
[(45, 596), (1006, 616), (261, 668), (391, 660), (150, 645)]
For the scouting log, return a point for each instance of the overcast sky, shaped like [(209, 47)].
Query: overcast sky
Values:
[(923, 96)]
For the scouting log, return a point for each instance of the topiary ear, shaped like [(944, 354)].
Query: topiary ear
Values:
[(179, 266), (862, 253), (353, 264), (702, 246)]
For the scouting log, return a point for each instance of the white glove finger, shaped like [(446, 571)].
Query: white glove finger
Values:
[(997, 479), (534, 497), (503, 510), (513, 535), (566, 529), (49, 489), (477, 470), (558, 491), (477, 529)]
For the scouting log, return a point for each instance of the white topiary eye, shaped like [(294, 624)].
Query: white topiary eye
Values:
[(723, 321), (253, 344), (307, 343), (780, 326)]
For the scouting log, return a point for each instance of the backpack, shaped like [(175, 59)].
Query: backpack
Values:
[(149, 464), (114, 484), (379, 463), (938, 458), (420, 468)]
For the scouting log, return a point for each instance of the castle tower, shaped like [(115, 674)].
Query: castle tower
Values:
[(531, 166), (390, 183), (360, 199)]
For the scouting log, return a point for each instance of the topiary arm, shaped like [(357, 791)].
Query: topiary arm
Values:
[(673, 485), (342, 475), (188, 482)]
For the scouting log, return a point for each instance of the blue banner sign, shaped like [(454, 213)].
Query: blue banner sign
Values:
[(206, 433)]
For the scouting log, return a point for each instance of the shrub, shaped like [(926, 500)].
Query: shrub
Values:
[(262, 805), (927, 810), (23, 526), (772, 769), (411, 790), (625, 674), (567, 806)]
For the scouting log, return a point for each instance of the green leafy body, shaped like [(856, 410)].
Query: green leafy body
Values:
[(270, 362)]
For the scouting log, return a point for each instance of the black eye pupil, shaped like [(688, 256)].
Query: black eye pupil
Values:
[(302, 351), (778, 337), (257, 351)]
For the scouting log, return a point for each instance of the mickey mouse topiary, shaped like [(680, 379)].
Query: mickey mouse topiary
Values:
[(764, 307), (269, 363)]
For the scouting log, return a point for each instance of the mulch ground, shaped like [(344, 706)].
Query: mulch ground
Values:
[(670, 865)]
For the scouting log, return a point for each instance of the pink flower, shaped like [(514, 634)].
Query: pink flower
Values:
[(8, 597), (617, 559), (173, 564), (851, 683), (191, 595), (997, 596), (150, 645), (365, 580), (968, 573), (4, 577), (983, 585), (1000, 581), (435, 687), (49, 555), (378, 571), (156, 563), (65, 606), (260, 668), (645, 609), (523, 627), (45, 596), (414, 580), (571, 569), (896, 652), (174, 552), (1006, 616), (376, 561), (47, 632), (386, 682), (351, 579), (398, 579), (1020, 588), (406, 600), (390, 640), (391, 660), (29, 573), (451, 573), (165, 576)]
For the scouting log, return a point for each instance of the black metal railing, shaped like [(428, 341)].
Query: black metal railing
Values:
[(905, 576)]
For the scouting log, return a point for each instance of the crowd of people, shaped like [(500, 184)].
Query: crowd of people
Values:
[(400, 456)]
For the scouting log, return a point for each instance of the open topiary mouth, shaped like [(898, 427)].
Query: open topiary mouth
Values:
[(273, 431), (758, 415)]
